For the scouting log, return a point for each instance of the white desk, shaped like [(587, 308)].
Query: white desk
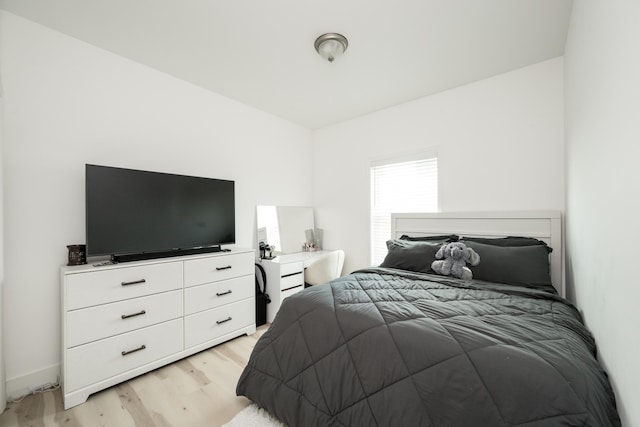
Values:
[(285, 277)]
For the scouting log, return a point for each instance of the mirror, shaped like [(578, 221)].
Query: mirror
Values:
[(284, 226)]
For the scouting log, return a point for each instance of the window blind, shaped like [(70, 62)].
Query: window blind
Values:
[(407, 186)]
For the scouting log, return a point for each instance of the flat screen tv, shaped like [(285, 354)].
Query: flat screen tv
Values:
[(134, 214)]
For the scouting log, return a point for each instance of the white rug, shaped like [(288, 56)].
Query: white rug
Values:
[(253, 416)]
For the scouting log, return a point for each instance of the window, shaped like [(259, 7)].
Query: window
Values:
[(400, 186)]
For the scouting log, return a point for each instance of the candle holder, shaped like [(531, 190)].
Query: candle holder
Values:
[(77, 254)]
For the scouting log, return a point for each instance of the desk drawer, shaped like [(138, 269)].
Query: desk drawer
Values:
[(288, 282), (289, 268), (97, 287), (211, 324), (103, 359), (289, 292), (213, 269), (95, 323), (211, 295)]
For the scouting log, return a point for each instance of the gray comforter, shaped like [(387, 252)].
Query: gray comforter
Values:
[(384, 347)]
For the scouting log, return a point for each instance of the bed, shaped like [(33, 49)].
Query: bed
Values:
[(397, 345)]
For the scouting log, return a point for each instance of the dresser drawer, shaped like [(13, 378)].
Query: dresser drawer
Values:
[(213, 269), (103, 359), (96, 287), (203, 297), (211, 324), (95, 323)]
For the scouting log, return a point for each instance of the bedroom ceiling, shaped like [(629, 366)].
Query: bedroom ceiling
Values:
[(261, 52)]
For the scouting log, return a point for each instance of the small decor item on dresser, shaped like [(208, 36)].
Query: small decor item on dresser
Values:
[(77, 254)]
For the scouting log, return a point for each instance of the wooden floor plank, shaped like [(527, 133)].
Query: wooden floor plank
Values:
[(31, 412), (196, 391)]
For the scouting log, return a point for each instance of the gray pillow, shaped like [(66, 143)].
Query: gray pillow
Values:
[(507, 241), (410, 255), (516, 265), (443, 239)]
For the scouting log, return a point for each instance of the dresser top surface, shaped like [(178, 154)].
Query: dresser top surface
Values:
[(98, 265)]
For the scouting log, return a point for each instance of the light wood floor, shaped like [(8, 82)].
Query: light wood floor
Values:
[(193, 392)]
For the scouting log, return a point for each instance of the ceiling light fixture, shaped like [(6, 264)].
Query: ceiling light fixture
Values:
[(331, 45)]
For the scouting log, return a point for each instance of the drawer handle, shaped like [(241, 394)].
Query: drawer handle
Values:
[(142, 347), (223, 268), (223, 293), (219, 322), (292, 274), (140, 313), (135, 282)]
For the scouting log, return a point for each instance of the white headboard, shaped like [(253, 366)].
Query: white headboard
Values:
[(543, 225)]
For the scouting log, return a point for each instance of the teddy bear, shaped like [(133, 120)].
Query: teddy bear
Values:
[(456, 256)]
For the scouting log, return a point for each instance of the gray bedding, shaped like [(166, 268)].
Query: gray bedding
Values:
[(384, 347)]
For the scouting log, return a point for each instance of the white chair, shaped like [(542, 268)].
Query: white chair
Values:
[(325, 269)]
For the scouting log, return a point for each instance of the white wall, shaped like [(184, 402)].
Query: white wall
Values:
[(603, 183), (68, 103), (3, 397), (499, 143)]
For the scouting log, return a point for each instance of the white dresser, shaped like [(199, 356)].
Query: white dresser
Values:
[(122, 320), (285, 277)]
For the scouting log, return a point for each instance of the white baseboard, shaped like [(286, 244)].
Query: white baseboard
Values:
[(24, 384)]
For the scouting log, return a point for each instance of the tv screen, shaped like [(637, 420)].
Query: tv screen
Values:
[(136, 212)]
